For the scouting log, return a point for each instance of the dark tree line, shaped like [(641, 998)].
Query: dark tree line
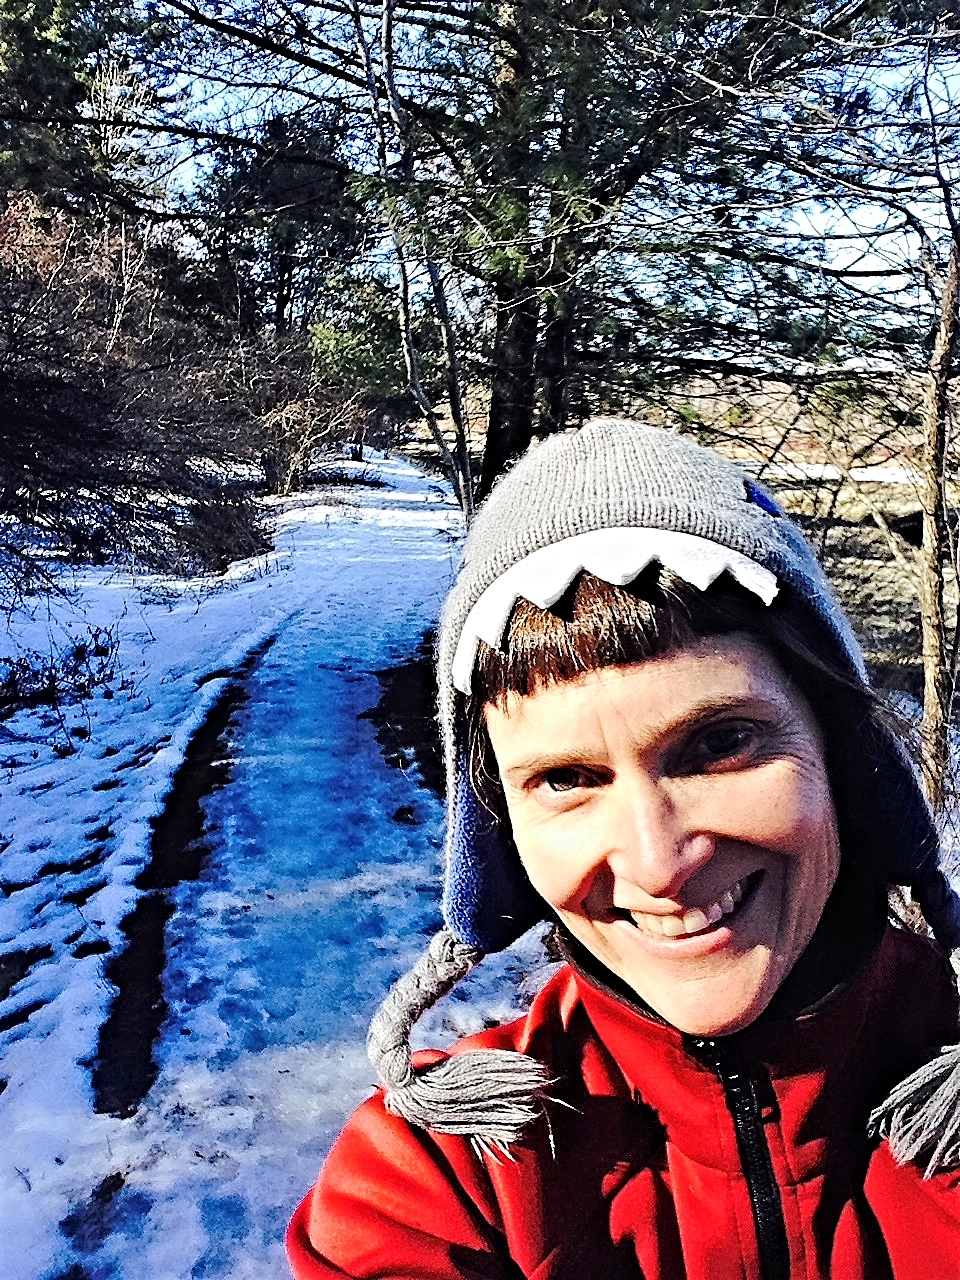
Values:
[(498, 218), (599, 199)]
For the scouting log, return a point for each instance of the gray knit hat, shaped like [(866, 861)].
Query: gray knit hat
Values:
[(610, 498)]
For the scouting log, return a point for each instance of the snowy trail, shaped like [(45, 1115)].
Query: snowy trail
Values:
[(321, 884), (268, 987)]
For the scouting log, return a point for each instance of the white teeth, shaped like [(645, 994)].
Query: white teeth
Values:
[(693, 921)]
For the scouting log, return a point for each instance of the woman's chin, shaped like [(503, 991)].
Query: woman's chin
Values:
[(712, 995), (715, 1022)]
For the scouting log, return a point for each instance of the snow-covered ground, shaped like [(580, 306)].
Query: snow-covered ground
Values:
[(826, 471), (163, 1119), (320, 884)]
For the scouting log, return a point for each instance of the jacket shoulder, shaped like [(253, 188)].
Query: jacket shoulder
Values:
[(401, 1201), (919, 1217), (394, 1200)]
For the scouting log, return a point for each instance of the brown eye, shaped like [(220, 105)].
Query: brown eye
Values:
[(567, 779), (721, 744)]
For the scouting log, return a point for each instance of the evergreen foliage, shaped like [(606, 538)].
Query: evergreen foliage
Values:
[(517, 213)]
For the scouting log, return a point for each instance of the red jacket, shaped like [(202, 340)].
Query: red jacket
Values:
[(665, 1158)]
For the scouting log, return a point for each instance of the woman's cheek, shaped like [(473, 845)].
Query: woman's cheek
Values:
[(555, 885), (772, 808), (555, 854)]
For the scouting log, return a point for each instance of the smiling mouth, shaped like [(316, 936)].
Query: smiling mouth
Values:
[(697, 919)]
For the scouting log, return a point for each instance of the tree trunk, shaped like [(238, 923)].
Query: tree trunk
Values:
[(284, 292), (454, 389), (284, 276), (937, 675), (555, 363), (510, 421), (513, 377), (403, 230)]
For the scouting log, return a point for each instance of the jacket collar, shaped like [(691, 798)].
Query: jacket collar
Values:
[(816, 1073)]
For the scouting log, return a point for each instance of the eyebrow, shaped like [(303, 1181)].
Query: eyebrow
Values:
[(543, 762)]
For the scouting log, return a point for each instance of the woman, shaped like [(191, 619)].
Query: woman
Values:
[(659, 734)]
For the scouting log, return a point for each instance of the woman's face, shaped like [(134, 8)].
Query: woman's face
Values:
[(677, 816)]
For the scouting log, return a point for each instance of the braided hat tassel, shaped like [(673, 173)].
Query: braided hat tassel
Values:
[(921, 1118), (489, 1094)]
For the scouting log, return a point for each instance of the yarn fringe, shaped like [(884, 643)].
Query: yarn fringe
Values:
[(490, 1095), (921, 1118)]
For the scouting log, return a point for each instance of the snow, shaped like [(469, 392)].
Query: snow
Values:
[(319, 885), (828, 471), (313, 896)]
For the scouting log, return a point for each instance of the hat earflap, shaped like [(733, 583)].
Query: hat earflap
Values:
[(489, 1095), (488, 900)]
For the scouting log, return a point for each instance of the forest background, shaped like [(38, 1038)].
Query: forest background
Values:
[(235, 237)]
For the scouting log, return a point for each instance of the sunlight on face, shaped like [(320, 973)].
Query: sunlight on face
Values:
[(677, 816)]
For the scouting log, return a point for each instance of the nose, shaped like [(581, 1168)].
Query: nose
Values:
[(654, 845)]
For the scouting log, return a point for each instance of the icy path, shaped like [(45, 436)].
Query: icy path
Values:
[(321, 884), (311, 883)]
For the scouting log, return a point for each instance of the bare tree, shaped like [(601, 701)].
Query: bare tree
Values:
[(939, 648), (528, 154), (392, 126)]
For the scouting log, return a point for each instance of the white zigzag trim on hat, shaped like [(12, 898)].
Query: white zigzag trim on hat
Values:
[(616, 556)]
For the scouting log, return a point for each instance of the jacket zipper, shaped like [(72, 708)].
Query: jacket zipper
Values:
[(740, 1092)]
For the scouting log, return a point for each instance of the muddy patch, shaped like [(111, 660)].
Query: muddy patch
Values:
[(15, 965), (16, 1019), (111, 1207), (405, 720), (80, 897), (124, 1066), (96, 947), (74, 867)]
